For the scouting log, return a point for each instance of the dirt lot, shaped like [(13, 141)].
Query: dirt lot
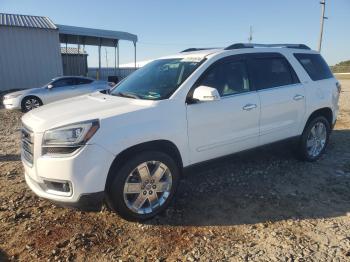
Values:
[(262, 205)]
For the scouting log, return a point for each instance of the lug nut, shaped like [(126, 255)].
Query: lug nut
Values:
[(146, 181), (150, 192), (154, 186), (152, 181), (144, 192)]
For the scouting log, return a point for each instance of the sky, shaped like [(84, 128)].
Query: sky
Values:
[(166, 27)]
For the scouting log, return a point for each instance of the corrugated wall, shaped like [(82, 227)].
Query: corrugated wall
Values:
[(74, 65), (28, 57)]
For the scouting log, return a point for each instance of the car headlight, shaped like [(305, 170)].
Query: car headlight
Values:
[(9, 96), (67, 139)]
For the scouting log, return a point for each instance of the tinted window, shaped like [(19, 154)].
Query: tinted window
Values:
[(227, 77), (83, 81), (271, 72), (315, 66), (63, 82)]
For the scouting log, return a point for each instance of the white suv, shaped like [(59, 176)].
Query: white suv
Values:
[(130, 146)]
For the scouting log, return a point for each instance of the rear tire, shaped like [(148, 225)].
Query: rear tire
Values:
[(314, 140), (30, 103), (137, 192)]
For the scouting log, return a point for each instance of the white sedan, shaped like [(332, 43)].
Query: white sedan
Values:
[(59, 88)]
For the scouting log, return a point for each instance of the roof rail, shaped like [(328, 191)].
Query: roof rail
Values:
[(250, 45), (197, 49)]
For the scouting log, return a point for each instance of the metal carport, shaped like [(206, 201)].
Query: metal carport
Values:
[(96, 37)]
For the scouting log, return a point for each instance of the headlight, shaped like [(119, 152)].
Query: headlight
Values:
[(67, 139), (9, 96)]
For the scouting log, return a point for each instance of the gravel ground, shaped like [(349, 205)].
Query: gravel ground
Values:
[(262, 205)]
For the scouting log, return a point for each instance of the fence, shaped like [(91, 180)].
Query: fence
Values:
[(105, 72)]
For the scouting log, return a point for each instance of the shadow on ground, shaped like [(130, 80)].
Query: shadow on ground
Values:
[(266, 184), (9, 158), (3, 256)]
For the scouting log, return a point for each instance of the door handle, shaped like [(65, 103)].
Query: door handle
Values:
[(249, 107), (298, 97)]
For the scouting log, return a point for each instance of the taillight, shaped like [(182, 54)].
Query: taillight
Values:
[(338, 87)]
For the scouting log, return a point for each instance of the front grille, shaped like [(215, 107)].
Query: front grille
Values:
[(27, 139)]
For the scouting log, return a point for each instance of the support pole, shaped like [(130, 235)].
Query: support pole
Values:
[(115, 59), (79, 71), (323, 6), (135, 54), (65, 73), (99, 61), (118, 60)]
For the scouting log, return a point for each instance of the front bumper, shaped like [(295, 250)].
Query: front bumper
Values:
[(12, 103), (85, 172)]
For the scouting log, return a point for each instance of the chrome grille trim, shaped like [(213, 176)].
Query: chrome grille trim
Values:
[(27, 145)]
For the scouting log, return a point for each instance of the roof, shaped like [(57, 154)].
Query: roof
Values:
[(91, 36), (30, 21), (72, 51)]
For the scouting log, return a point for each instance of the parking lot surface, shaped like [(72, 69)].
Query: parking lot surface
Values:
[(261, 205)]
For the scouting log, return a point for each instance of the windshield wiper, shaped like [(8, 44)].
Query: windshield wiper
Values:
[(129, 95)]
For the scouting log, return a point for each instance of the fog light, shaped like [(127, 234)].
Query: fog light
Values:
[(57, 187)]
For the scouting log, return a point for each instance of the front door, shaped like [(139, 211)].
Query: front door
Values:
[(61, 89), (230, 124)]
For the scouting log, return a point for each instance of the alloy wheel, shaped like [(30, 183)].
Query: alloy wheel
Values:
[(316, 139), (31, 103), (147, 187)]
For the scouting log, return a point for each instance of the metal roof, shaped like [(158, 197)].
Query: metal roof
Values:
[(72, 51), (26, 21), (91, 36)]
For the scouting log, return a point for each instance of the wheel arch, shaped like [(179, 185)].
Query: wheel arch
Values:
[(164, 146), (325, 112)]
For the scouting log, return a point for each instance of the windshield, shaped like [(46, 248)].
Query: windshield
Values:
[(157, 80)]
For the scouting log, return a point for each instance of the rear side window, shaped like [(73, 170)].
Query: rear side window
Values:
[(315, 66), (83, 81), (268, 72)]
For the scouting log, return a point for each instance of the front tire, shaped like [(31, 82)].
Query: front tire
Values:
[(143, 186), (314, 139), (30, 103)]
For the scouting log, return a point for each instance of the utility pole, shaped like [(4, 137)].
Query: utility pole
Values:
[(106, 58), (323, 6), (250, 34)]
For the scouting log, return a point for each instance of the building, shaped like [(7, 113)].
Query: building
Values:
[(74, 61), (30, 49)]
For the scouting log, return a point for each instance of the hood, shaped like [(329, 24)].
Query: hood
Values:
[(81, 108), (24, 92)]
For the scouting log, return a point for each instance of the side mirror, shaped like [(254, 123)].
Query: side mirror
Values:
[(49, 86), (205, 93)]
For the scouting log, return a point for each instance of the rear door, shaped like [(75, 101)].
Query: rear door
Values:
[(282, 96), (84, 86)]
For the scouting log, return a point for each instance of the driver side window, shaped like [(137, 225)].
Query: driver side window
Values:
[(64, 82), (228, 78)]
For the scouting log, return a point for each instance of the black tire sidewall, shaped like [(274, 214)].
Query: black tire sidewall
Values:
[(23, 108), (116, 187), (303, 147)]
